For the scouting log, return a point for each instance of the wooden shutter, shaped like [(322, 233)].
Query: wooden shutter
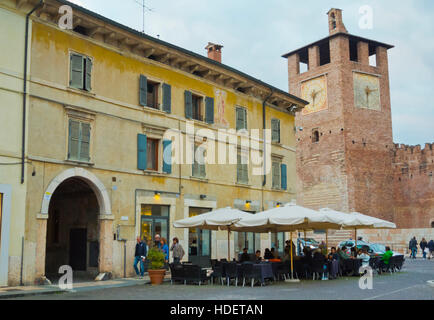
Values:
[(209, 110), (276, 175), (88, 75), (275, 130), (188, 104), (143, 91), (167, 156), (74, 139), (241, 118), (284, 175), (242, 171), (167, 98), (84, 141), (77, 69), (141, 151)]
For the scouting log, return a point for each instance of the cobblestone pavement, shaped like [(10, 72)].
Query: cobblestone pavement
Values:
[(409, 284)]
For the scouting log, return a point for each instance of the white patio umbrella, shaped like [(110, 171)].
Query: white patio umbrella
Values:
[(356, 221), (288, 218), (220, 219)]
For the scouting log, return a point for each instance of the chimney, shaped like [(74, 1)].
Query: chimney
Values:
[(214, 51), (336, 23)]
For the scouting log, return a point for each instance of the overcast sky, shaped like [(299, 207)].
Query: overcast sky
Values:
[(256, 33)]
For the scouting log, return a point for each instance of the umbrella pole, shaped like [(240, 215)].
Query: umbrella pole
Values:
[(355, 236), (292, 262), (229, 244), (327, 240)]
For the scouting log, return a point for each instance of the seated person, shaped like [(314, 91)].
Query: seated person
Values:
[(386, 257), (268, 255), (353, 251), (343, 254), (333, 255), (244, 256), (258, 255), (365, 257)]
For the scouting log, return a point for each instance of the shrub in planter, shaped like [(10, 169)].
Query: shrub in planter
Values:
[(156, 269)]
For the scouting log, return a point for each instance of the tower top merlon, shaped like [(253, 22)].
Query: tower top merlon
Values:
[(336, 23)]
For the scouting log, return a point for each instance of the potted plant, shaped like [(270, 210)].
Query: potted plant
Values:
[(156, 269)]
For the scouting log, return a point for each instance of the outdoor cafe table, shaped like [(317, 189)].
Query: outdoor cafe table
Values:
[(265, 270)]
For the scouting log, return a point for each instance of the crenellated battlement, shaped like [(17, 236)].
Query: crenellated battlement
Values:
[(413, 159)]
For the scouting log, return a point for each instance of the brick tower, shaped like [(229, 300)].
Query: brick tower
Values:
[(344, 136)]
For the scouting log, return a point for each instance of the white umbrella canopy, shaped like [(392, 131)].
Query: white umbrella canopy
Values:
[(356, 220), (287, 218), (372, 222), (222, 218)]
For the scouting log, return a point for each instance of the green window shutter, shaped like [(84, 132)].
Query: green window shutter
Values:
[(209, 110), (241, 118), (167, 156), (84, 141), (202, 170), (142, 143), (77, 70), (74, 139), (284, 175), (188, 104), (167, 98), (276, 175), (275, 130), (143, 94), (88, 75)]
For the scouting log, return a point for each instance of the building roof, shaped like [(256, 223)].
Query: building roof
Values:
[(372, 43), (301, 103)]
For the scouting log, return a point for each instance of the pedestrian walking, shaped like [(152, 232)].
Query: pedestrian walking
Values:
[(423, 245), (412, 245), (431, 249), (165, 248), (140, 256), (178, 251)]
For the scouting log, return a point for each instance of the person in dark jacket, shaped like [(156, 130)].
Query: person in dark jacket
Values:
[(244, 256), (423, 244), (268, 255), (140, 256), (413, 247), (431, 249)]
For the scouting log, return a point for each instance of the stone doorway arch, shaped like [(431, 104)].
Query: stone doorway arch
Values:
[(105, 219)]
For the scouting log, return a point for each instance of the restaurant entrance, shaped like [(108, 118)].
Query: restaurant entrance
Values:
[(154, 220), (199, 241)]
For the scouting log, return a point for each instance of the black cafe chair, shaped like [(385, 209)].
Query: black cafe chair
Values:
[(177, 273), (231, 272)]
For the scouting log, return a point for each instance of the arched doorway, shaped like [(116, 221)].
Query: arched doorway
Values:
[(91, 207), (73, 230)]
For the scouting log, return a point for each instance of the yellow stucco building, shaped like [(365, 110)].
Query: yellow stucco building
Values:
[(102, 102)]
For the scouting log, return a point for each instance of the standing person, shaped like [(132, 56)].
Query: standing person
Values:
[(157, 241), (423, 244), (413, 247), (178, 251), (431, 249), (140, 256), (165, 248)]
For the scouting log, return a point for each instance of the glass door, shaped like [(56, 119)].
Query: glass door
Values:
[(199, 241)]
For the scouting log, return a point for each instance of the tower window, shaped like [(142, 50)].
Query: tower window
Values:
[(353, 51), (324, 53), (315, 136), (333, 21)]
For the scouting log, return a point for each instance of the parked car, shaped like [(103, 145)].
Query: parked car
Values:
[(374, 249), (311, 243)]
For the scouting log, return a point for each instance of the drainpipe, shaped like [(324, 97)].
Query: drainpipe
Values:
[(26, 47), (264, 181)]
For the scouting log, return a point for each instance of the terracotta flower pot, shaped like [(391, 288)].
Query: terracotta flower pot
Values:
[(156, 276)]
